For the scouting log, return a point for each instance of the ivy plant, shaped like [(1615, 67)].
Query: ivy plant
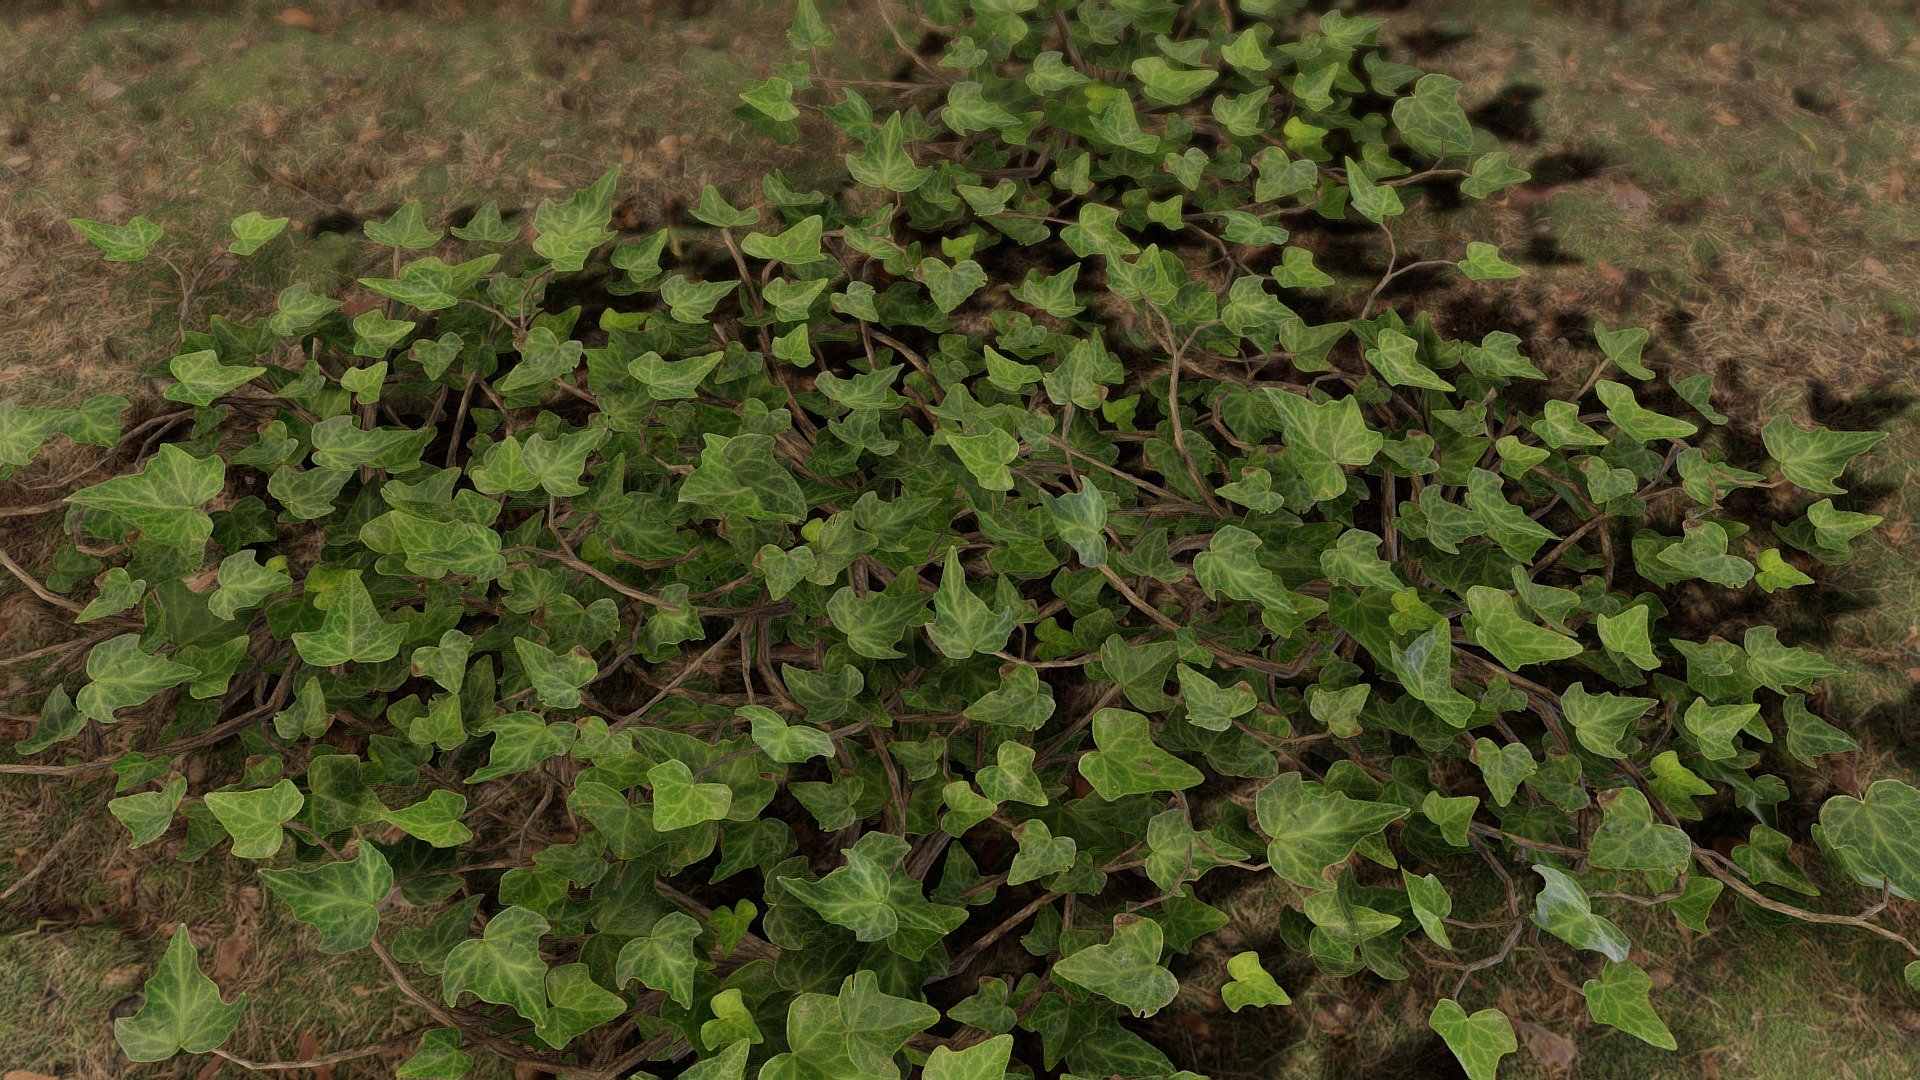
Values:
[(862, 628)]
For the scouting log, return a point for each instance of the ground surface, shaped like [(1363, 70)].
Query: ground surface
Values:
[(1741, 175)]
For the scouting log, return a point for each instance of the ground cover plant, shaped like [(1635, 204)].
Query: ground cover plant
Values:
[(863, 631)]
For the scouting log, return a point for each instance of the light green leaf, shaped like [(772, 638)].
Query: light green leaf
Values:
[(566, 233), (983, 1061), (1619, 998), (1251, 984), (502, 966), (1815, 459), (121, 243), (253, 818), (163, 499), (1600, 721), (556, 677), (1880, 833), (1323, 437), (1125, 969), (203, 378), (1628, 838), (341, 899), (1311, 829), (1041, 853), (963, 624), (147, 814), (678, 802), (352, 629), (1562, 909), (1127, 761), (1479, 1041), (182, 1009), (1495, 623), (121, 674), (405, 229), (434, 819)]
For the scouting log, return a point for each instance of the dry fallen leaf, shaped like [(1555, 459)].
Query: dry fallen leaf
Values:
[(1796, 223), (297, 18), (22, 1074), (1874, 266)]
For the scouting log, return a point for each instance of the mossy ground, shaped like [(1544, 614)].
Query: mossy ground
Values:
[(1741, 175)]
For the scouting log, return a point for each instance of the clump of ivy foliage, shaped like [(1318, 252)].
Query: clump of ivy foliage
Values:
[(866, 650)]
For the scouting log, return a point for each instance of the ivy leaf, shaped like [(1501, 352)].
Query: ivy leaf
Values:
[(253, 818), (1815, 459), (203, 378), (1702, 553), (1623, 347), (732, 1026), (1880, 833), (439, 1056), (446, 662), (1780, 666), (352, 629), (1562, 909), (556, 677), (875, 623), (983, 1061), (163, 499), (405, 229), (1503, 767), (1431, 905), (663, 958), (1628, 838), (1312, 829), (1126, 968), (576, 1005), (566, 233), (434, 819), (788, 744), (738, 476), (1483, 263), (121, 675), (1431, 120), (1495, 623), (797, 246), (1395, 356), (1323, 437), (182, 1009), (1041, 853), (1210, 705), (1808, 736), (1600, 721), (1619, 998), (1127, 761), (341, 899), (1627, 635), (118, 592), (1080, 519), (963, 624), (121, 243), (1021, 701), (1479, 1041), (884, 163), (502, 966), (522, 740), (147, 814), (986, 455), (485, 226), (1635, 420), (1251, 984), (678, 802), (245, 583), (1714, 727)]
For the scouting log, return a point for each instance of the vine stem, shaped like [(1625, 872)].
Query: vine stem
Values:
[(331, 1058)]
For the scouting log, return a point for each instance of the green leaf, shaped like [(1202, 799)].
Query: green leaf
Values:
[(1495, 623), (1431, 120), (1503, 768), (1714, 727), (434, 819), (738, 476), (182, 1009), (1562, 909), (1483, 263), (1628, 838), (875, 623), (118, 592), (1702, 553), (1778, 666), (1815, 459), (986, 455), (251, 230), (556, 677), (678, 802), (809, 30), (576, 1005), (1431, 905), (663, 958), (163, 499), (245, 583), (797, 246), (715, 210), (1080, 519), (203, 378), (1126, 968), (485, 226), (1250, 985), (405, 229), (1880, 833), (566, 233), (1619, 998), (1210, 705), (253, 818), (502, 966), (1395, 357), (951, 285), (732, 1026), (1041, 853), (341, 899), (147, 814), (1808, 736), (1491, 173), (788, 744), (1623, 348), (1311, 829), (884, 163), (1635, 420), (1127, 761), (1323, 437), (1775, 572), (1479, 1041), (963, 624), (439, 1056), (1627, 635), (121, 243), (1600, 721), (352, 630), (983, 1061), (522, 740), (121, 675)]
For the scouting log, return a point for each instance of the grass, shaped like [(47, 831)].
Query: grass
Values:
[(1740, 175)]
